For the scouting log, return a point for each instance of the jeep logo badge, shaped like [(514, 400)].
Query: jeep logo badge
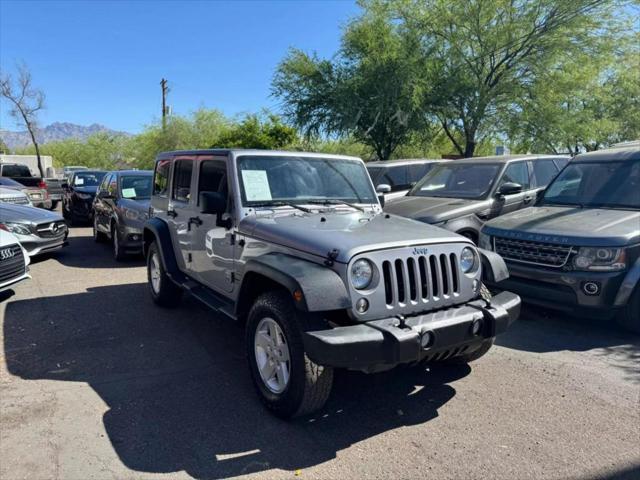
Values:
[(420, 251)]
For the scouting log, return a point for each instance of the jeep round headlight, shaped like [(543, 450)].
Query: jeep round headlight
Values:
[(468, 260), (361, 274)]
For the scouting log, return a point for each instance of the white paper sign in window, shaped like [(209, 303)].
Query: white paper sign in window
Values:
[(79, 181), (129, 192), (256, 185)]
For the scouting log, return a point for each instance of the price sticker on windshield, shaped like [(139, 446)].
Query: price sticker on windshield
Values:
[(256, 185)]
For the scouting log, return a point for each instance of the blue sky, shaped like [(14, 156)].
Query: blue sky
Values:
[(102, 61)]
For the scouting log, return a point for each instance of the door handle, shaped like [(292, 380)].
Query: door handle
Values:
[(172, 213), (527, 199)]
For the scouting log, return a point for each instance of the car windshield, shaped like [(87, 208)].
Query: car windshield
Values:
[(16, 171), (136, 186), (88, 179), (295, 179), (464, 180), (596, 184)]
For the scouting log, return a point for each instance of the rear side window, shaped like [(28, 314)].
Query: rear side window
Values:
[(161, 178), (396, 177), (544, 171), (213, 176), (182, 180), (516, 173)]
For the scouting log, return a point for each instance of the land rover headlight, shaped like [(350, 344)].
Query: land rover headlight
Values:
[(361, 274), (16, 228), (600, 259), (469, 260)]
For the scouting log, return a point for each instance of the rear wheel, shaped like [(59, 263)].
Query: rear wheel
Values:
[(287, 381), (629, 316), (118, 252), (98, 236), (163, 291)]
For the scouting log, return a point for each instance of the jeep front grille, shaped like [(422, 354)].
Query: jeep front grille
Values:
[(420, 279), (538, 253)]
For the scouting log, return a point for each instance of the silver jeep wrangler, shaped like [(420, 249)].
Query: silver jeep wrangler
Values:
[(296, 246)]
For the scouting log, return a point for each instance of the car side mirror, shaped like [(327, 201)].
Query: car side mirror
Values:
[(383, 188), (213, 203), (509, 188)]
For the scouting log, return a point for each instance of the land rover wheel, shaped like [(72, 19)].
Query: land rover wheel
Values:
[(286, 380), (163, 291), (629, 316), (118, 252), (98, 236)]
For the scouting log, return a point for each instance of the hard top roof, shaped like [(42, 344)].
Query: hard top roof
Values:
[(243, 151), (617, 154), (506, 158)]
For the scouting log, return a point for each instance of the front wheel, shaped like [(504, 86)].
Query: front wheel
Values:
[(287, 381), (163, 291), (118, 252)]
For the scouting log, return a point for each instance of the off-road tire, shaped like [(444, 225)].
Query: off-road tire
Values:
[(309, 384), (169, 294), (98, 236), (629, 316), (118, 253)]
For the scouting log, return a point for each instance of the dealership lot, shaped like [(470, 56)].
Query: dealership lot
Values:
[(97, 382)]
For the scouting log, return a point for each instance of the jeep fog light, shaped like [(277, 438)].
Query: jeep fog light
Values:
[(362, 305), (468, 260), (361, 274)]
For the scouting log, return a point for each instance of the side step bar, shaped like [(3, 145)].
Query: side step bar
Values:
[(207, 296)]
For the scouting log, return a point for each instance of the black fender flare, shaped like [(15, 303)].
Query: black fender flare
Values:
[(158, 231), (494, 268), (321, 287)]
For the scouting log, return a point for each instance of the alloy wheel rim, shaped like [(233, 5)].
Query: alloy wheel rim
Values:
[(272, 355), (154, 272)]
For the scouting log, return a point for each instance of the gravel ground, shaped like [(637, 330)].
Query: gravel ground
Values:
[(97, 382)]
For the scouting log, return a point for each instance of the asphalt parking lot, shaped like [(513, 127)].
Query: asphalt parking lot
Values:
[(97, 382)]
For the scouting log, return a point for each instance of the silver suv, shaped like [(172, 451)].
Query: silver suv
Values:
[(296, 246)]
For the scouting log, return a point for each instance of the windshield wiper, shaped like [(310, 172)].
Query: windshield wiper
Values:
[(282, 204), (334, 202)]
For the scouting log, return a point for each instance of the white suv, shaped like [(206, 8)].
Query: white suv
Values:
[(14, 261)]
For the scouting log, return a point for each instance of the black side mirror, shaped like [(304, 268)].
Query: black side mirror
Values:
[(213, 203), (509, 188)]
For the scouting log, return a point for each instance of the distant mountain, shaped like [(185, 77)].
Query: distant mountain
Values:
[(54, 132)]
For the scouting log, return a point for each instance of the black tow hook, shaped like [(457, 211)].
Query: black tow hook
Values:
[(402, 323)]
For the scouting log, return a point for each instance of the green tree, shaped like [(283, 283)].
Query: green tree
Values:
[(255, 131), (3, 147), (368, 92), (483, 56)]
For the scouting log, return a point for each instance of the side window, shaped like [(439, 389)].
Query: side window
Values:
[(213, 177), (561, 162), (416, 172), (161, 178), (182, 180), (104, 183), (516, 173), (544, 171), (396, 177)]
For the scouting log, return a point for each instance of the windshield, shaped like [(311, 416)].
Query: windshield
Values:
[(601, 184), (464, 180), (88, 179), (270, 179), (16, 171), (136, 187)]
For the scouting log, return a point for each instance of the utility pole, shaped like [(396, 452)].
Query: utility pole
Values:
[(165, 90)]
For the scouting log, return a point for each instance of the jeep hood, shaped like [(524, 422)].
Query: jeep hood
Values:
[(433, 209), (577, 226), (349, 233)]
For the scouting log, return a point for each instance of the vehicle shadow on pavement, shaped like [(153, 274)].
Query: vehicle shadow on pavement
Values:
[(84, 252), (178, 388), (542, 331)]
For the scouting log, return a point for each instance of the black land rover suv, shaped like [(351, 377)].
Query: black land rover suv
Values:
[(578, 249)]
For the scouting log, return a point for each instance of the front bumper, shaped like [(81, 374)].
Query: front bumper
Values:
[(35, 245), (564, 290), (382, 344)]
